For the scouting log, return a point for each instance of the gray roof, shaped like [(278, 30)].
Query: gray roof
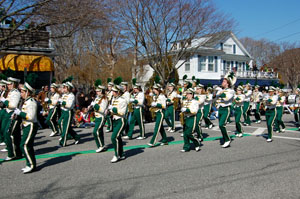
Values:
[(216, 38)]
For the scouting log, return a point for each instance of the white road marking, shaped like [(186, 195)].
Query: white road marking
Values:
[(258, 131), (288, 138)]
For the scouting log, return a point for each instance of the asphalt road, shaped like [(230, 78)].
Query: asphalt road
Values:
[(250, 168)]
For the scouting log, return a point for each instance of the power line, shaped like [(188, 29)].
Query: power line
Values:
[(280, 27), (288, 36)]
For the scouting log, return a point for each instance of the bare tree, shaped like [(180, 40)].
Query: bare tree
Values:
[(159, 25), (263, 51), (28, 18)]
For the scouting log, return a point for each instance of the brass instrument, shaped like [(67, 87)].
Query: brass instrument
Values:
[(181, 118)]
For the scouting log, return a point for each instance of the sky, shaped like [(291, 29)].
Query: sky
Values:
[(275, 20)]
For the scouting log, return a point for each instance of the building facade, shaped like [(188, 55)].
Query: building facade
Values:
[(216, 55)]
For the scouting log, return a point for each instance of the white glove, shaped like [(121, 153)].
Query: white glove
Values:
[(93, 103), (151, 94), (46, 99), (183, 109), (60, 100), (153, 104), (131, 100), (17, 111), (110, 107), (2, 99), (179, 96)]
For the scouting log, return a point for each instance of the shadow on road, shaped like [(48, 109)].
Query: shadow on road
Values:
[(54, 161)]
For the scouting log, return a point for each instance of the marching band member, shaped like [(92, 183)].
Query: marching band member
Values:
[(118, 110), (159, 104), (126, 95), (52, 103), (200, 98), (10, 125), (296, 106), (137, 101), (207, 107), (67, 105), (28, 113), (109, 95), (238, 110), (246, 107), (190, 109), (271, 111), (226, 97), (170, 110), (257, 97), (3, 95), (279, 110), (100, 105)]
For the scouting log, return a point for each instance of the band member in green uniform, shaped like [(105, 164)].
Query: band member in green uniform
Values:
[(238, 110), (246, 107), (10, 125), (207, 108), (137, 101), (100, 106), (170, 111), (52, 116), (189, 109), (226, 97), (110, 98), (3, 95), (67, 105), (279, 110), (271, 111), (257, 97), (28, 113), (118, 110), (159, 105), (200, 98)]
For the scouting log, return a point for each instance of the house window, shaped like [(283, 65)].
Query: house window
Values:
[(228, 67), (211, 63), (216, 64), (201, 63), (234, 49), (187, 66)]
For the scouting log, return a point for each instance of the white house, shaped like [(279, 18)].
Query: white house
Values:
[(214, 56)]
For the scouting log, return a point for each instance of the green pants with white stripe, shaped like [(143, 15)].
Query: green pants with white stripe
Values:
[(108, 120), (190, 124), (246, 113), (199, 118), (257, 113), (116, 137), (98, 131), (2, 112), (159, 128), (238, 111), (224, 113), (27, 143), (170, 116), (67, 116), (279, 121), (206, 112), (52, 120), (137, 116), (12, 134), (270, 118)]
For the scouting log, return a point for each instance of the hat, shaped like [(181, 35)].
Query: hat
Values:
[(124, 83), (13, 80), (194, 79), (53, 85), (199, 86), (116, 88), (190, 91), (157, 86), (68, 84), (231, 78), (29, 82), (257, 86), (2, 83), (137, 85), (98, 85), (272, 88), (240, 88), (171, 82)]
